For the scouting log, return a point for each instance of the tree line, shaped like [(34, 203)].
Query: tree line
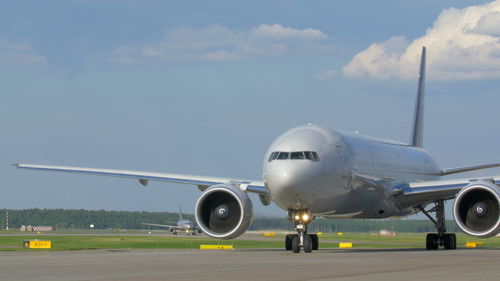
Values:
[(102, 219), (82, 219)]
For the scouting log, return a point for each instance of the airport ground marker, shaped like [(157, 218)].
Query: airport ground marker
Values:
[(216, 247), (345, 245)]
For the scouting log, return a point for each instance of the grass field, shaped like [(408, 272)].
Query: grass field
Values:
[(75, 242), (13, 242)]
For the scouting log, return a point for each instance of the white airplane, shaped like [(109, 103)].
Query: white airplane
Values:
[(181, 225), (310, 172)]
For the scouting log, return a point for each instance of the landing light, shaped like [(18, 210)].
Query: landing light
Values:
[(297, 217), (305, 217)]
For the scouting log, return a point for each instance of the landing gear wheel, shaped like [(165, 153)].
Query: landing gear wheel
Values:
[(288, 242), (295, 244), (441, 238), (315, 241), (308, 243), (431, 241), (450, 241)]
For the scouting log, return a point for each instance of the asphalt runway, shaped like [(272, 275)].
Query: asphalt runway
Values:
[(334, 264)]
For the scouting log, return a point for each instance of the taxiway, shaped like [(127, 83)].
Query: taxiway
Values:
[(269, 264)]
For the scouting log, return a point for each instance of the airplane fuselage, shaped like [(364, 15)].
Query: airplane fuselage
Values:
[(353, 177), (185, 225)]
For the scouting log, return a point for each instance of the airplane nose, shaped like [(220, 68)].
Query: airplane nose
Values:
[(288, 181), (281, 180)]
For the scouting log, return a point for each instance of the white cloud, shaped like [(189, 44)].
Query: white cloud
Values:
[(279, 32), (462, 44), (222, 55), (218, 43), (18, 54), (488, 24)]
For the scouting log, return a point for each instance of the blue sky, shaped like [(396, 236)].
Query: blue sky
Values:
[(203, 87)]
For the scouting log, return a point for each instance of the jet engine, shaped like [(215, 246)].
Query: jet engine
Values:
[(476, 209), (224, 211)]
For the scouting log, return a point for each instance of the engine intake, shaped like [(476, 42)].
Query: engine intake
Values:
[(477, 209), (224, 211)]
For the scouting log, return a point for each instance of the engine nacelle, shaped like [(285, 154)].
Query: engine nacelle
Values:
[(224, 211), (477, 209)]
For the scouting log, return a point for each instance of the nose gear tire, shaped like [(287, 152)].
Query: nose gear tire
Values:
[(288, 242), (308, 244), (295, 244), (315, 241)]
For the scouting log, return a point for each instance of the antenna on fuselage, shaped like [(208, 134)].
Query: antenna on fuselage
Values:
[(418, 120)]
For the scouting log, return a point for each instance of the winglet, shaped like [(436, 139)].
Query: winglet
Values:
[(417, 135)]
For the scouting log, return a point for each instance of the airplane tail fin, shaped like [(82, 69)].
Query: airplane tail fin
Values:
[(180, 213), (418, 120)]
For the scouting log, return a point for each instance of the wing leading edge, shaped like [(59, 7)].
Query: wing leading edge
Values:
[(420, 193), (144, 177), (159, 225)]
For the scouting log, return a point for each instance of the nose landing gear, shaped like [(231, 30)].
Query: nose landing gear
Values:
[(302, 240)]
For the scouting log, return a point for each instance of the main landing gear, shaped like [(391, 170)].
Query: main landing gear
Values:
[(441, 238), (302, 240)]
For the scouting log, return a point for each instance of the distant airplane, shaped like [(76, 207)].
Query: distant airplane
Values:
[(310, 171), (182, 225)]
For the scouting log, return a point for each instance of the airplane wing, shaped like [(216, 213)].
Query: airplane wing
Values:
[(144, 177), (159, 225), (424, 192)]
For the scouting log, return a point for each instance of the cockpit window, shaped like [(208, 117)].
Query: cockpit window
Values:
[(295, 155), (273, 156), (283, 155), (311, 155)]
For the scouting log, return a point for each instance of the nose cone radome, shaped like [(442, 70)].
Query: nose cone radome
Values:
[(288, 182), (294, 182)]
